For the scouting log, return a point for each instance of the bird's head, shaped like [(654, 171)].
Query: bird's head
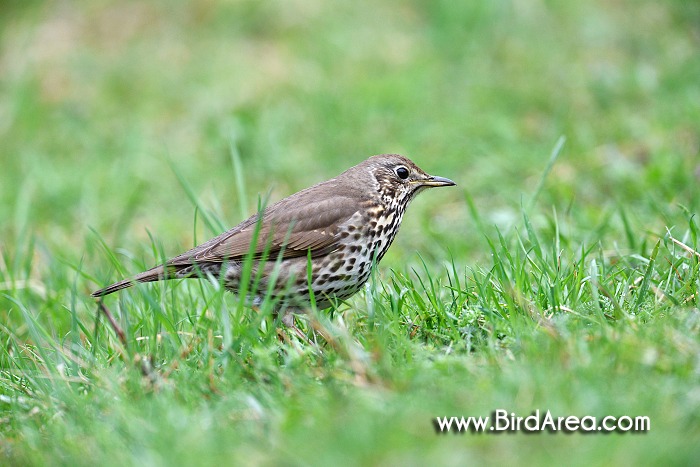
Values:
[(397, 179)]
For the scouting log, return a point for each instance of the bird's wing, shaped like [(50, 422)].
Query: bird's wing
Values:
[(292, 227)]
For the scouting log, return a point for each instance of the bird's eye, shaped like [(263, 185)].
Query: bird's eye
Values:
[(402, 172)]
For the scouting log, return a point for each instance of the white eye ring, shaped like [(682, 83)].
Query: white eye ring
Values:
[(401, 172)]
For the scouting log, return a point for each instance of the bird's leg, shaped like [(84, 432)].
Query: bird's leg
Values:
[(288, 320), (281, 336)]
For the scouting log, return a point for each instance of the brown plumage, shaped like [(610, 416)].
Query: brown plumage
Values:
[(343, 224)]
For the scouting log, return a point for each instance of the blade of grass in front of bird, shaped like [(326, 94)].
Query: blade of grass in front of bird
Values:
[(239, 176), (646, 280), (554, 155), (214, 224)]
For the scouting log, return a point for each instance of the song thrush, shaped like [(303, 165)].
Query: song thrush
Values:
[(338, 228)]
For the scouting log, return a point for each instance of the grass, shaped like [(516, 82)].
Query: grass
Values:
[(561, 274)]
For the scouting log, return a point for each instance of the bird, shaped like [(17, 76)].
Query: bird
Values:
[(317, 245)]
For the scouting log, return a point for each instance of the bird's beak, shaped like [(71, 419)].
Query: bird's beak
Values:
[(435, 181)]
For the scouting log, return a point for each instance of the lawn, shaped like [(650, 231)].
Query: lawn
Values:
[(561, 274)]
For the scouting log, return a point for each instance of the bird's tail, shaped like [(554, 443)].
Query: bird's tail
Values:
[(154, 274)]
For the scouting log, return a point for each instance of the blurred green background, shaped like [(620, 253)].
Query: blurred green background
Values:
[(96, 98), (103, 103)]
